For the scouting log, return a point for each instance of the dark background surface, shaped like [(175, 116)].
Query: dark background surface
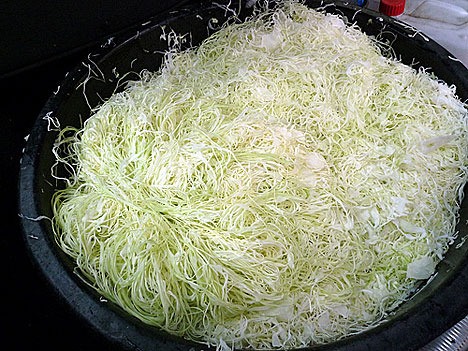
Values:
[(34, 32), (40, 41), (32, 316)]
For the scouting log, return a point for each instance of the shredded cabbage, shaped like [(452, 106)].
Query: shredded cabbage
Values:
[(281, 185)]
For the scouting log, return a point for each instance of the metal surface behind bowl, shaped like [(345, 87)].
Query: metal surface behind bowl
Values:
[(435, 307)]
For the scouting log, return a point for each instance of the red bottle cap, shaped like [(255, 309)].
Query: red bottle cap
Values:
[(392, 7)]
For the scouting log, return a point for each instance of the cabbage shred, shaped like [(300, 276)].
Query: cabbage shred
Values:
[(281, 185)]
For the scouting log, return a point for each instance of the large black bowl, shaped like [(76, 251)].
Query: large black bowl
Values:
[(435, 307)]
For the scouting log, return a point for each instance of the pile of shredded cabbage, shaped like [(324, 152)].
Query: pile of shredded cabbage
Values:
[(284, 184)]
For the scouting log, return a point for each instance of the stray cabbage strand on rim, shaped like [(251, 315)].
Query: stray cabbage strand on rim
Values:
[(281, 185)]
